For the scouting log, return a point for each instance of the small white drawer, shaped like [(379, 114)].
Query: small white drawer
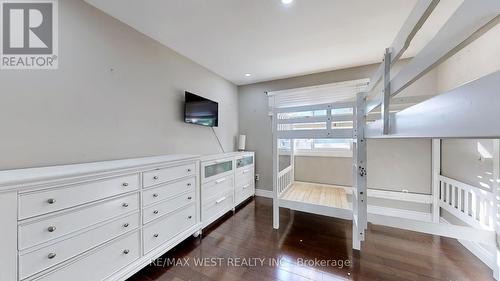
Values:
[(41, 259), (156, 194), (216, 207), (43, 230), (216, 187), (248, 184), (243, 194), (168, 206), (159, 176), (244, 175), (101, 263), (245, 161), (42, 202), (165, 229), (214, 169)]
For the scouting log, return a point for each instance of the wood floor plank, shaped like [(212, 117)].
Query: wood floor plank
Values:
[(318, 194), (388, 254)]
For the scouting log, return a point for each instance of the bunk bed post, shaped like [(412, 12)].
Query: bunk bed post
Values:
[(359, 205), (436, 172), (386, 98), (292, 159), (275, 155), (496, 192)]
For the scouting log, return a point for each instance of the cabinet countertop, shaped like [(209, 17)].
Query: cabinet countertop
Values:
[(10, 178)]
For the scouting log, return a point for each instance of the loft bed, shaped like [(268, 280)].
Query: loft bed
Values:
[(468, 111)]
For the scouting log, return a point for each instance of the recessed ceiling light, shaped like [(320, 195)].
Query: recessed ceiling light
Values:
[(248, 74), (286, 2)]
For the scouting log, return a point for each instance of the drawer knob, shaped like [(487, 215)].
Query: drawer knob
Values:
[(126, 225), (125, 205), (126, 251), (189, 184), (51, 201), (156, 235), (51, 228), (189, 198), (190, 217), (125, 184), (155, 177), (155, 212), (189, 170), (51, 255), (155, 195)]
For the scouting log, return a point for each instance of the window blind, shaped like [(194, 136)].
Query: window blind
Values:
[(327, 93)]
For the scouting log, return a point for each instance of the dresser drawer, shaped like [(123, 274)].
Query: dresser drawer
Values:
[(156, 194), (211, 170), (41, 259), (43, 202), (244, 175), (168, 206), (159, 176), (217, 187), (244, 193), (165, 229), (245, 161), (43, 230), (216, 207), (244, 185), (101, 263)]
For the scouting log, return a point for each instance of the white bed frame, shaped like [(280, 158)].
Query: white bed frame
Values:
[(468, 111)]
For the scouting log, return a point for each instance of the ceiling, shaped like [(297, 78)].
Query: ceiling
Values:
[(266, 38)]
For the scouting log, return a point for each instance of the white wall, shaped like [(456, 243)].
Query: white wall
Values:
[(116, 94), (392, 165), (400, 164), (464, 160), (327, 170), (479, 58)]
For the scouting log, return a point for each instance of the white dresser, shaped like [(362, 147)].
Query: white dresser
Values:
[(226, 181), (96, 221)]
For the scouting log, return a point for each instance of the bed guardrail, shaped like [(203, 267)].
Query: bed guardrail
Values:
[(285, 179), (466, 202)]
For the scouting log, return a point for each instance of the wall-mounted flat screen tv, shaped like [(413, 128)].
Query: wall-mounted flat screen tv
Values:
[(201, 111)]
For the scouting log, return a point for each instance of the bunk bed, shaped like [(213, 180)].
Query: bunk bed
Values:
[(468, 111), (327, 124)]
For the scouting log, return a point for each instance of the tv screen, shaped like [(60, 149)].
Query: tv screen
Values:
[(201, 111)]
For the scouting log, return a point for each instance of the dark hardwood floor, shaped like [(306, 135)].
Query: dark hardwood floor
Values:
[(388, 253)]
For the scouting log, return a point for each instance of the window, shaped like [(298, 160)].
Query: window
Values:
[(284, 144), (324, 147), (342, 111), (302, 114)]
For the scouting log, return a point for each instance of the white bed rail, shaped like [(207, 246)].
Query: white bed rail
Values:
[(285, 179), (468, 203)]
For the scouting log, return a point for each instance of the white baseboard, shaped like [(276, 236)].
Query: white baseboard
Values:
[(480, 251), (264, 193)]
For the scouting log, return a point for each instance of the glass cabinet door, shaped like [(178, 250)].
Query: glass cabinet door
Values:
[(218, 168), (245, 161)]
